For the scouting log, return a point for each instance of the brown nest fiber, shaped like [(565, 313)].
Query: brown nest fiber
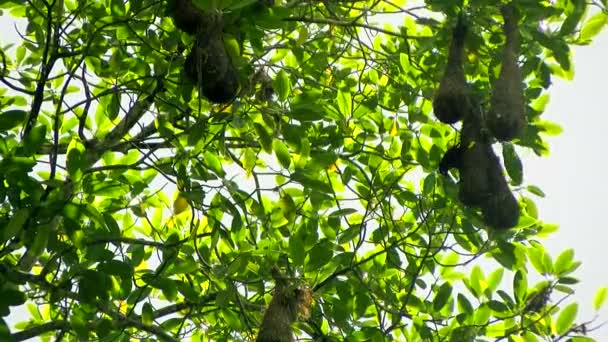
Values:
[(186, 16), (287, 302), (482, 181), (451, 102), (208, 64), (507, 117)]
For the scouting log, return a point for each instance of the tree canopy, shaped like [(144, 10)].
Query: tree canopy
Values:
[(165, 164)]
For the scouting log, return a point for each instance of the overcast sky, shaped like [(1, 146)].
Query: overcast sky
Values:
[(574, 176)]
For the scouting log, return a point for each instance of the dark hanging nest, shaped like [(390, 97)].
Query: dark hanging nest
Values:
[(482, 181), (501, 209), (452, 100), (209, 65), (507, 115), (477, 160), (287, 302), (452, 159), (186, 16), (476, 157)]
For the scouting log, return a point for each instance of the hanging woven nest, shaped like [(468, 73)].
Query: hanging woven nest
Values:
[(186, 16), (452, 102), (288, 302), (209, 65), (507, 115), (482, 181)]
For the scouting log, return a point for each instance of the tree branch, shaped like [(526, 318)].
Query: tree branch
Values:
[(354, 24), (39, 330), (122, 128)]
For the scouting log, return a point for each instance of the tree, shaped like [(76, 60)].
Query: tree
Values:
[(132, 207)]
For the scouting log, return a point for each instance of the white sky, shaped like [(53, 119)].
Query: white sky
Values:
[(572, 176)]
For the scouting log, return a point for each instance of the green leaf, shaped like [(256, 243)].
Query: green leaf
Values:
[(442, 296), (38, 245), (11, 119), (307, 112), (320, 255), (600, 298), (574, 18), (103, 328), (214, 163), (113, 108), (482, 315), (497, 306), (343, 212), (429, 184), (282, 85), (345, 103), (249, 160), (15, 224), (520, 286), (169, 288), (12, 297), (549, 128), (184, 267), (76, 160), (241, 4), (566, 318), (475, 281), (564, 261), (464, 306), (568, 280), (494, 279), (92, 285), (35, 139), (593, 26), (530, 206), (536, 190), (406, 144), (297, 250), (282, 153), (117, 268), (540, 259), (264, 138), (147, 314), (540, 103), (512, 163), (404, 62)]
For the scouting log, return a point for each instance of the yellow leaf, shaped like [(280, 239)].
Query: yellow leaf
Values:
[(226, 110), (329, 76), (394, 128), (180, 204), (123, 307)]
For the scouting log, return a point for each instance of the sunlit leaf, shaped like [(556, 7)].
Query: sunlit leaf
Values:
[(512, 163), (593, 26), (282, 85), (566, 318), (282, 153), (600, 298)]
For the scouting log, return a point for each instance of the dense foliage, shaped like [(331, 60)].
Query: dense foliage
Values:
[(133, 208)]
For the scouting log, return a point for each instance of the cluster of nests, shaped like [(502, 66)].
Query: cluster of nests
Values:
[(208, 64), (210, 67), (482, 182)]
